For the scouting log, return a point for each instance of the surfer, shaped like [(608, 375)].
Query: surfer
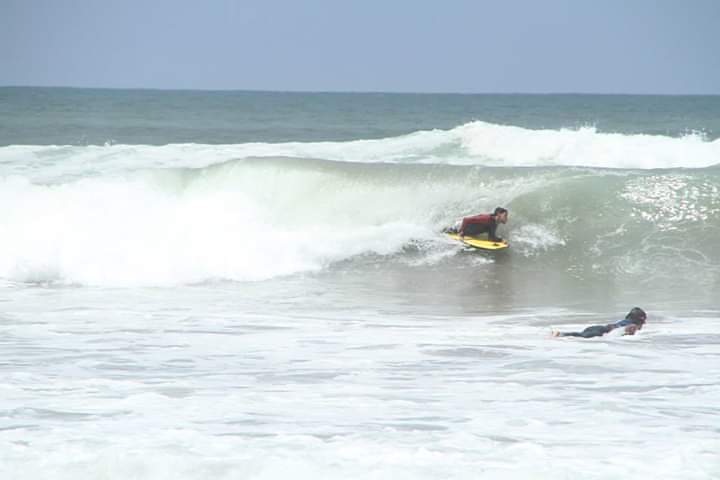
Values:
[(633, 322), (483, 223)]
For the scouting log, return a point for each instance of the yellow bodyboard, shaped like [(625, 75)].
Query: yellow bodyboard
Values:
[(479, 243)]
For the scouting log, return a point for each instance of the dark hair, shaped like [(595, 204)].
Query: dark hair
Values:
[(637, 315), (499, 210)]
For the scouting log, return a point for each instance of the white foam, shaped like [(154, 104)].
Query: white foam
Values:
[(514, 146), (123, 388), (238, 225)]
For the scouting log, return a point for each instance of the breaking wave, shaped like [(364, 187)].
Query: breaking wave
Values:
[(259, 218)]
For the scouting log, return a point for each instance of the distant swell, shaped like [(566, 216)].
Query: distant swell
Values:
[(476, 143)]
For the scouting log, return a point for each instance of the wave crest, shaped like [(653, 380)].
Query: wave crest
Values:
[(475, 143)]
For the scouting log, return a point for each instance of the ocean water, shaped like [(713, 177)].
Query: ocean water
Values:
[(250, 285)]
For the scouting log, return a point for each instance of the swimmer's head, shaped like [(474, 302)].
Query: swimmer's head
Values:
[(637, 315)]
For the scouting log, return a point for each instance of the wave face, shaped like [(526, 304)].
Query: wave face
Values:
[(258, 218)]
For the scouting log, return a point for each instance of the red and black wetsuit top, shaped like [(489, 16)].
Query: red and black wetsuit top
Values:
[(477, 224)]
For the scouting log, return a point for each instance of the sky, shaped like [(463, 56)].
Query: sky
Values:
[(473, 46)]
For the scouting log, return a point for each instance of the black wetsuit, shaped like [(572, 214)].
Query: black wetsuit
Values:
[(594, 331), (597, 330)]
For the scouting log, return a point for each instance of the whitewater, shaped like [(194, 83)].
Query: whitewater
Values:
[(273, 308)]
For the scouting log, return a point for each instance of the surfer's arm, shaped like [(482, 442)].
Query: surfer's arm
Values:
[(461, 230), (491, 233)]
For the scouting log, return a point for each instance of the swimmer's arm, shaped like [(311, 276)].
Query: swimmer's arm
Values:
[(631, 329)]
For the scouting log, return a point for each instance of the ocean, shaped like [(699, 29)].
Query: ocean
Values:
[(254, 285)]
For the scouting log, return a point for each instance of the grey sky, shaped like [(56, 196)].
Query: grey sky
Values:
[(641, 46)]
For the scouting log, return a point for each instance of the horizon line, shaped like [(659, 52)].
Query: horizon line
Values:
[(359, 92)]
